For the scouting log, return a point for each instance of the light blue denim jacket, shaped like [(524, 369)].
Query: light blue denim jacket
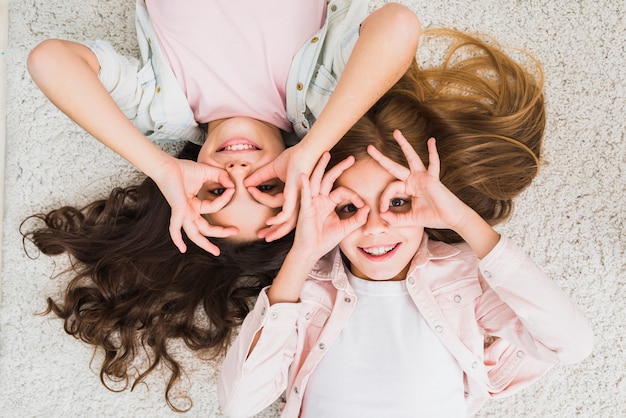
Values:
[(150, 96)]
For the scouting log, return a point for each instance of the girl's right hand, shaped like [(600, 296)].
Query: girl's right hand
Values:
[(180, 181), (319, 228)]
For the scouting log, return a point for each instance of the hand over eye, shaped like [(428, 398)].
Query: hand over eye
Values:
[(432, 205), (180, 182), (320, 228)]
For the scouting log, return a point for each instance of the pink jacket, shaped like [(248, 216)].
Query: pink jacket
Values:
[(462, 298)]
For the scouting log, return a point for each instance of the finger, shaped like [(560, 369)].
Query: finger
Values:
[(224, 179), (278, 231), (208, 230), (271, 201), (341, 194), (264, 173), (214, 174), (392, 190), (318, 173), (333, 174), (398, 171), (177, 236), (399, 219), (414, 160), (305, 195), (212, 206), (353, 223), (434, 164), (202, 242), (290, 194)]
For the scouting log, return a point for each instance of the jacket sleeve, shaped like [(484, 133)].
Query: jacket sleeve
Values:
[(248, 383), (523, 306)]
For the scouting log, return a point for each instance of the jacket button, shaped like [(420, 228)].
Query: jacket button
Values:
[(520, 354), (474, 365), (347, 300), (333, 8), (458, 298), (299, 86), (411, 280), (262, 311), (307, 316), (487, 274), (322, 346), (315, 39), (438, 329), (274, 315), (295, 390)]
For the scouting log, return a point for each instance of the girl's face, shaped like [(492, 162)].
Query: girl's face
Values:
[(379, 250), (240, 146)]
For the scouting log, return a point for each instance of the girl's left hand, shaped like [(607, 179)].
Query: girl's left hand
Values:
[(288, 167), (432, 204)]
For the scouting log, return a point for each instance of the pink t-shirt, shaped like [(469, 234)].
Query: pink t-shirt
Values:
[(232, 57)]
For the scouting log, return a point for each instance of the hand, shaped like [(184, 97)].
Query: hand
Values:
[(180, 181), (287, 167), (432, 204), (319, 227)]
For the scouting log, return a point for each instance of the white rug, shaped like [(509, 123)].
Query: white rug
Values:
[(571, 220)]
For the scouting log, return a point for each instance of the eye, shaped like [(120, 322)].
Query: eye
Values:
[(218, 191), (265, 188), (346, 211), (397, 204)]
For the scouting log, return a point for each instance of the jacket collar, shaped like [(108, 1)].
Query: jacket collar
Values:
[(331, 266)]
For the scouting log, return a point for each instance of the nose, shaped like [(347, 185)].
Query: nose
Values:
[(375, 225), (238, 170)]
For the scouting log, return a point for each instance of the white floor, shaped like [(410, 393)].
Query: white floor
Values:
[(572, 220), (4, 38)]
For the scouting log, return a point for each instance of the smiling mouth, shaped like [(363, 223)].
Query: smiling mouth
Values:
[(380, 250), (239, 144)]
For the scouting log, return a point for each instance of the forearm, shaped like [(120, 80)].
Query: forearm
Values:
[(386, 47), (477, 232), (248, 381), (288, 283), (67, 73), (539, 317)]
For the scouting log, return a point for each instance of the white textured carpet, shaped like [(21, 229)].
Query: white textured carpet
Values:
[(571, 220)]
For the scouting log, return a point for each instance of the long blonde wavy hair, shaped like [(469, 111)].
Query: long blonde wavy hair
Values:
[(486, 111)]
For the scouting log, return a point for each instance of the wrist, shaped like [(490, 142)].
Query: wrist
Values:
[(290, 279), (477, 233), (158, 165)]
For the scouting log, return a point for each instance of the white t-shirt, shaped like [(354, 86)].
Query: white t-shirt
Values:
[(387, 362), (232, 57)]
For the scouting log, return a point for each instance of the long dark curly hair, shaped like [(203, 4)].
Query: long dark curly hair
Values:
[(131, 290)]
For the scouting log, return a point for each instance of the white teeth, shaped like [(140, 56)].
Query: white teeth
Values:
[(379, 250), (239, 147)]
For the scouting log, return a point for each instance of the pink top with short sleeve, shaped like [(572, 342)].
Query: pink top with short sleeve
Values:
[(232, 57)]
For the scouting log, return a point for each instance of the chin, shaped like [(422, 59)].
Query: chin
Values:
[(381, 277)]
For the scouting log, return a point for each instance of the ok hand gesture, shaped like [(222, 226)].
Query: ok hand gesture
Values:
[(287, 167), (319, 228), (180, 181), (432, 204)]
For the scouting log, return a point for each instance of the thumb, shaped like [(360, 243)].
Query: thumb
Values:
[(264, 173)]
